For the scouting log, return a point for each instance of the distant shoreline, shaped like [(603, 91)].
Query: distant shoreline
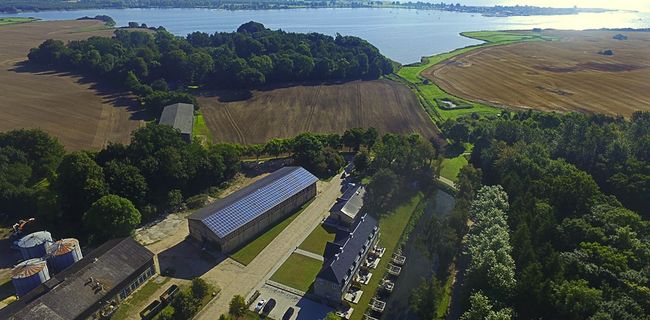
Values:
[(496, 11)]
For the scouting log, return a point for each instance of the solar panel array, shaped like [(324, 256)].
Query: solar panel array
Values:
[(232, 217)]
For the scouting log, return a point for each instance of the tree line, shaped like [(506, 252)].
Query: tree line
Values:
[(580, 243), (151, 63), (396, 166), (107, 193)]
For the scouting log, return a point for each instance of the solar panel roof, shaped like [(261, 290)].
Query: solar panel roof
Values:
[(241, 207)]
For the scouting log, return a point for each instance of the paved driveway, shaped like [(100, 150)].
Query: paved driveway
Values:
[(243, 280)]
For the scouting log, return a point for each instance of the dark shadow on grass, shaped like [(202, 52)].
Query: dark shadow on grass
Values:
[(110, 93), (8, 256), (235, 95), (454, 150)]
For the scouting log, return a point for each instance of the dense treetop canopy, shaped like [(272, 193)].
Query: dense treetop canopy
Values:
[(251, 56), (577, 187)]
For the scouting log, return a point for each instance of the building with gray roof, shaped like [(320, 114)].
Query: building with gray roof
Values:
[(91, 288), (236, 219), (344, 257), (346, 209), (179, 116)]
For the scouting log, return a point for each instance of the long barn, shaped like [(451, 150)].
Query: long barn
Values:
[(236, 219)]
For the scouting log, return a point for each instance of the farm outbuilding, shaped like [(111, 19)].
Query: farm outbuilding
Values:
[(91, 288), (179, 116), (234, 220)]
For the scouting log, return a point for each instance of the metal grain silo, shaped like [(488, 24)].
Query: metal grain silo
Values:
[(34, 245), (63, 254), (28, 275)]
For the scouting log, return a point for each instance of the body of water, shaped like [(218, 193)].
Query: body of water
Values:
[(403, 35), (419, 264)]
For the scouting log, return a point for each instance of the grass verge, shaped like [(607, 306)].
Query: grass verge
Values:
[(298, 272), (139, 299), (451, 167), (441, 312), (8, 21), (430, 94), (200, 129), (248, 252), (393, 224), (317, 240)]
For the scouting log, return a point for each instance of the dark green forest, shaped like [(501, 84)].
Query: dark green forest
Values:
[(151, 63), (577, 240)]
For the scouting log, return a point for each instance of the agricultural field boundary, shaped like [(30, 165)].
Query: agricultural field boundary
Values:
[(17, 20), (429, 94)]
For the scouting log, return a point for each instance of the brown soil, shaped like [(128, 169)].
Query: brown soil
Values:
[(285, 112), (78, 112), (565, 75)]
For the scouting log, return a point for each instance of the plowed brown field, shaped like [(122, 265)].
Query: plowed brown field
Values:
[(564, 75), (71, 108), (285, 112)]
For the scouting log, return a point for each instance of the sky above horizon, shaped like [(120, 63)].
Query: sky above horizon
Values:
[(640, 5)]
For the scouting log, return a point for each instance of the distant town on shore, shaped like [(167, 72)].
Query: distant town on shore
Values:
[(16, 6)]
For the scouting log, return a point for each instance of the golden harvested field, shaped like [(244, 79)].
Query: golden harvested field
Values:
[(78, 112), (286, 112), (564, 75)]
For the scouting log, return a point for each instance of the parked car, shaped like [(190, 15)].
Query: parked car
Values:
[(287, 314), (259, 305), (269, 306)]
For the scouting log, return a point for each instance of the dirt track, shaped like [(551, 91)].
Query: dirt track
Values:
[(286, 112), (565, 75), (76, 111)]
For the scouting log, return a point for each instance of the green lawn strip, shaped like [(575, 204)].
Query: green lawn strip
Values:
[(298, 272), (317, 239), (200, 129), (441, 312), (143, 295), (451, 167), (392, 226), (8, 21), (428, 92), (248, 252)]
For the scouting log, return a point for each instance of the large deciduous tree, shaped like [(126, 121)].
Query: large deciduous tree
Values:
[(79, 182), (110, 217)]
